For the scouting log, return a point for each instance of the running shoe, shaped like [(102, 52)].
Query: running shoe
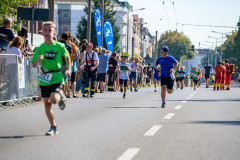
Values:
[(52, 131), (75, 96), (155, 90), (121, 90), (124, 95), (135, 90), (101, 91), (163, 104), (61, 103), (67, 96), (131, 89), (91, 95), (85, 94)]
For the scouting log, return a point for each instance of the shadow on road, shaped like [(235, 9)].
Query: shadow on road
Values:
[(209, 100), (105, 98), (133, 107), (18, 137), (216, 122)]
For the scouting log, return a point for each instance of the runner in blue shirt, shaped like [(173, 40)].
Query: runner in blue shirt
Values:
[(168, 65), (157, 78), (182, 75)]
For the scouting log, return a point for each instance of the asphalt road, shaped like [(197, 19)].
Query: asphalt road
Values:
[(200, 125)]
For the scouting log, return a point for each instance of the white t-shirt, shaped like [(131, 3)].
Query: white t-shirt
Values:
[(14, 51), (123, 70), (89, 58), (134, 67)]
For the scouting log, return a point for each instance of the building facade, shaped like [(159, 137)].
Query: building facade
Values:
[(68, 14)]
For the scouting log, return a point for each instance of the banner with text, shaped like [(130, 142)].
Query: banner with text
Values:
[(108, 34), (98, 25)]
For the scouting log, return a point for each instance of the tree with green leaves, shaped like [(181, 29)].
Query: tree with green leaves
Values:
[(179, 45), (231, 49), (8, 8), (108, 15)]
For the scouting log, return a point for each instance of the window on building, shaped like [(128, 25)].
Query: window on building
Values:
[(65, 14), (65, 28)]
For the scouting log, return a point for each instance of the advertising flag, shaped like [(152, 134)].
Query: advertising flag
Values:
[(108, 34), (98, 25)]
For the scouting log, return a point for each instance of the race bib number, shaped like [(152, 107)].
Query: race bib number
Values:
[(45, 77)]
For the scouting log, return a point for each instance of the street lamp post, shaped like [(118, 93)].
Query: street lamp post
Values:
[(209, 47), (89, 21), (215, 49), (156, 48), (222, 40)]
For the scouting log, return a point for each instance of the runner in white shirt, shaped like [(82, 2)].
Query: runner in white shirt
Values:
[(133, 75), (124, 70)]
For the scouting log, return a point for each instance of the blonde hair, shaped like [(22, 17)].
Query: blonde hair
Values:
[(100, 49), (17, 42), (49, 23), (96, 50)]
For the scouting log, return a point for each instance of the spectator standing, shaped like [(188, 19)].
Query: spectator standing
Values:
[(102, 69), (6, 34)]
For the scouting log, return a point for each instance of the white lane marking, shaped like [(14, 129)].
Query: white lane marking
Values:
[(129, 154), (169, 116), (152, 130), (184, 102), (178, 107), (191, 95), (188, 97)]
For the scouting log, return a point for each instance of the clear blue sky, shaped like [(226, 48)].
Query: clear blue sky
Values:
[(206, 12)]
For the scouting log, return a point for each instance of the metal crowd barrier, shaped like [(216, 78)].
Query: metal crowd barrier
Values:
[(18, 82)]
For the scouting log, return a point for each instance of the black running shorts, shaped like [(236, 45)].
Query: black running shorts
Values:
[(47, 90), (124, 82), (73, 77), (167, 81), (207, 76)]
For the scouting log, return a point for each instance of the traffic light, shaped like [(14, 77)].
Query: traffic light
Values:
[(193, 48)]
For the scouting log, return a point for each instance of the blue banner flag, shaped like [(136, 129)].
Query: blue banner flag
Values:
[(108, 34), (98, 25)]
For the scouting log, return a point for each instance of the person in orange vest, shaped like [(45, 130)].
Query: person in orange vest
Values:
[(218, 75), (222, 85), (229, 71)]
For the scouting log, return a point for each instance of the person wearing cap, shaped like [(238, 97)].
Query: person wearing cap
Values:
[(91, 60), (124, 69), (168, 65)]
